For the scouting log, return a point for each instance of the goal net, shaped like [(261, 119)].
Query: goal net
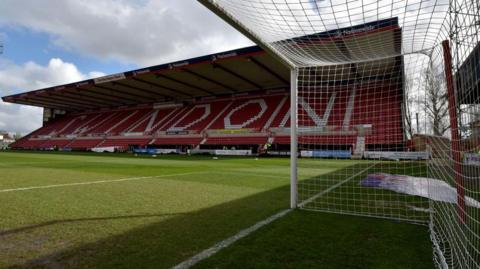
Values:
[(387, 93)]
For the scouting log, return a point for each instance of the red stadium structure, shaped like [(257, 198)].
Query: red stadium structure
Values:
[(235, 98)]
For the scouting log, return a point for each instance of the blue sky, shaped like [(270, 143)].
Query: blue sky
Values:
[(49, 42), (23, 44)]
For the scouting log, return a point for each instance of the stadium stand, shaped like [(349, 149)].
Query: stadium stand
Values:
[(242, 120), (237, 98)]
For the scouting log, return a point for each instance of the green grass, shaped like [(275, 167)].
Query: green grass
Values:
[(197, 201), (318, 240)]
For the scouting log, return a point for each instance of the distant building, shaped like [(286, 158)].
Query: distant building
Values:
[(5, 140), (438, 146), (472, 143)]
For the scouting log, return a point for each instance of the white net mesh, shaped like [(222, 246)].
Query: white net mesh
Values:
[(392, 89), (292, 26), (362, 119)]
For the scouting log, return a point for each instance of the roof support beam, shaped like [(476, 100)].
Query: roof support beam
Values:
[(269, 70), (216, 65), (36, 104), (89, 98), (65, 104), (161, 86), (145, 98), (120, 100), (184, 83), (209, 80), (66, 99), (141, 89), (39, 103)]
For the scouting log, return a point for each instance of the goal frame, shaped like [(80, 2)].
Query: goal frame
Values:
[(217, 10), (456, 155)]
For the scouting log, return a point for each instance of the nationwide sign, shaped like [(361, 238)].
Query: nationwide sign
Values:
[(354, 31), (177, 65), (370, 27), (224, 56), (109, 78)]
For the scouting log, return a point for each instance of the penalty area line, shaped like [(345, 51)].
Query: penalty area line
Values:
[(96, 182)]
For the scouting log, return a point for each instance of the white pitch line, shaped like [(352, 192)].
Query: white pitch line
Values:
[(243, 233), (96, 182), (227, 242), (251, 173), (333, 187)]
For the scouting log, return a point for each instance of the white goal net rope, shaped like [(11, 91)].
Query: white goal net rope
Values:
[(392, 89)]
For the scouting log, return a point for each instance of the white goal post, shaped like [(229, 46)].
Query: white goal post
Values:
[(293, 138)]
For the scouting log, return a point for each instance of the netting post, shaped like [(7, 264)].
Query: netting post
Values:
[(455, 142), (293, 137)]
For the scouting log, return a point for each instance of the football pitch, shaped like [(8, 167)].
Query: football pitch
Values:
[(73, 210)]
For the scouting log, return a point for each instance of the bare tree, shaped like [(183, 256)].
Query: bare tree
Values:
[(408, 110), (435, 103), (414, 103), (17, 136)]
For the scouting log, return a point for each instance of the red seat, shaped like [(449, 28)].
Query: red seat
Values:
[(84, 143), (55, 143)]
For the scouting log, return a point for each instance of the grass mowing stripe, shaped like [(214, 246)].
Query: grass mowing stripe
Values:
[(96, 182), (243, 233)]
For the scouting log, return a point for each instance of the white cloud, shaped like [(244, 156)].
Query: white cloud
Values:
[(142, 32), (19, 118), (29, 76)]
